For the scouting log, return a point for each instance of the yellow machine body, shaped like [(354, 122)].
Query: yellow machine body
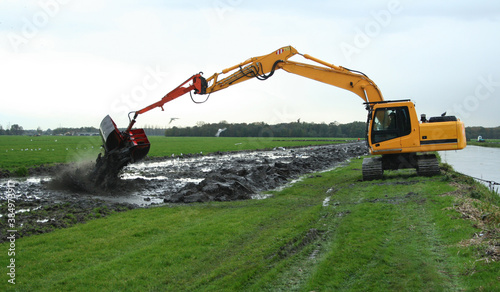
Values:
[(406, 134)]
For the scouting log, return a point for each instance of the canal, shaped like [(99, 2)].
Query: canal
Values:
[(475, 161)]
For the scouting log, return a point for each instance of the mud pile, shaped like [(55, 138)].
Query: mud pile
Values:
[(241, 181)]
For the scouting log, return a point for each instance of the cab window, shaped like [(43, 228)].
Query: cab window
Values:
[(390, 123)]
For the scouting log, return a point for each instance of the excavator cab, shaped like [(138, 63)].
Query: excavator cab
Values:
[(135, 140)]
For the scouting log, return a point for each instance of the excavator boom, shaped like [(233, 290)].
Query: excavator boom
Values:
[(264, 67), (260, 68)]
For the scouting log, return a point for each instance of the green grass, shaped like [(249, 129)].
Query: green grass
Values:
[(27, 151), (495, 143), (166, 146), (402, 233), (18, 152)]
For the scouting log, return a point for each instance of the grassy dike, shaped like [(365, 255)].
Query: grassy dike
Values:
[(328, 232)]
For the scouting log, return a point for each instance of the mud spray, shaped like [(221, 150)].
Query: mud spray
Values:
[(90, 177)]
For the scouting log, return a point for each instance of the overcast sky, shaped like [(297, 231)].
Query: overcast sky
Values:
[(69, 63)]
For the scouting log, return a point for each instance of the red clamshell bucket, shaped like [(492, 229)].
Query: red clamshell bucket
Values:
[(135, 140)]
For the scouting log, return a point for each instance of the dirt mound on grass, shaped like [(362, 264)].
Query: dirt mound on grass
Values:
[(240, 183)]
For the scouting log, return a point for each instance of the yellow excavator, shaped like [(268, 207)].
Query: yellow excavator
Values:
[(395, 134)]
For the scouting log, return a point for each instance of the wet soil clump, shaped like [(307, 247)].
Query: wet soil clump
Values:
[(240, 181), (105, 174)]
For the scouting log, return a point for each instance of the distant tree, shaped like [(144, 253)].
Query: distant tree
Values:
[(16, 130), (2, 131), (355, 129), (39, 131)]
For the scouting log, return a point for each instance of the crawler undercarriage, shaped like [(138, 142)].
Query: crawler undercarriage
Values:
[(425, 164)]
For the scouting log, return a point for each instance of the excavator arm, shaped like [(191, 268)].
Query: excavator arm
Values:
[(264, 67), (198, 85), (260, 68), (135, 141)]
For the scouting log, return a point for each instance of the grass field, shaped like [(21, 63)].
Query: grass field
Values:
[(26, 151), (328, 232)]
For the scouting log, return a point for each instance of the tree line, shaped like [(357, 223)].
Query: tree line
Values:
[(259, 129), (296, 129), (486, 133), (349, 130), (15, 129)]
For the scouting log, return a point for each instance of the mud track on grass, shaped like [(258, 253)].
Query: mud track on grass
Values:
[(44, 201)]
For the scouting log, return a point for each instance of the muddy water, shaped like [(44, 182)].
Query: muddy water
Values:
[(155, 181), (476, 161), (169, 176), (40, 208)]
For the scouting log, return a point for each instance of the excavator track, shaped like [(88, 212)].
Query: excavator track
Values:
[(372, 168), (427, 165)]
